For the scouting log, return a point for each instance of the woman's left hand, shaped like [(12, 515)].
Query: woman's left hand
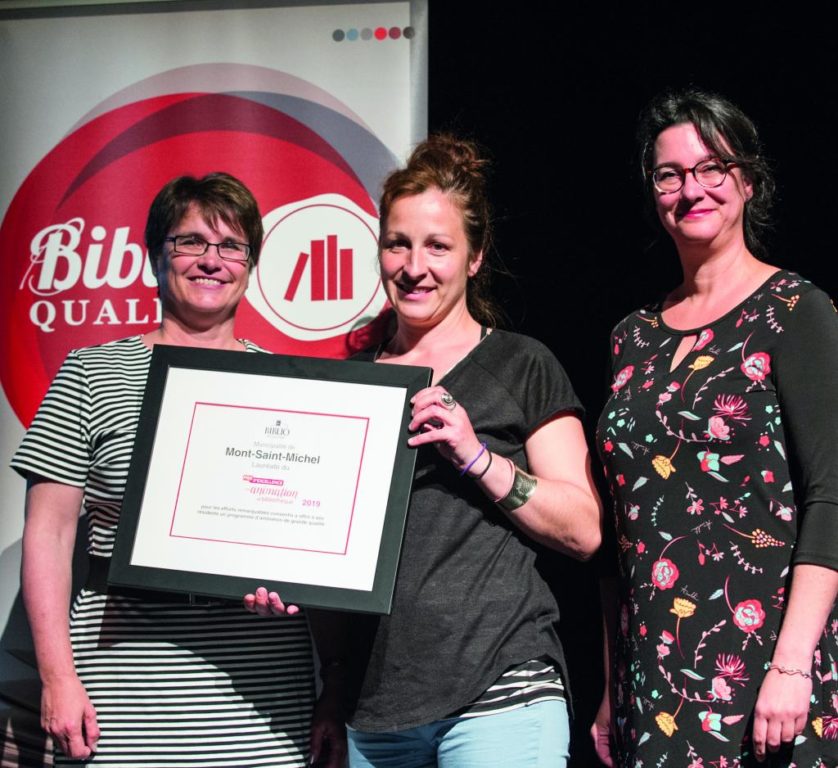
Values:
[(781, 710), (439, 419)]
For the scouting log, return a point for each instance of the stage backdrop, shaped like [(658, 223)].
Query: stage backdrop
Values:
[(309, 104)]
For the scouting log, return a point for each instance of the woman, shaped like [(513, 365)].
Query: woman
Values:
[(718, 445), (468, 669), (152, 680)]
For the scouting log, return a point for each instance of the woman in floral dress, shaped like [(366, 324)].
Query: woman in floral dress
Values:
[(719, 446)]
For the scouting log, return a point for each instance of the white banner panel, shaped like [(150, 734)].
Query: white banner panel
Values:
[(311, 105)]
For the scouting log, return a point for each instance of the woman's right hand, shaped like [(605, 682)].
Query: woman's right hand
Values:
[(69, 717), (601, 731), (266, 603)]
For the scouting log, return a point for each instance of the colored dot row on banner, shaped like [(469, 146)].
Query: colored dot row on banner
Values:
[(379, 33)]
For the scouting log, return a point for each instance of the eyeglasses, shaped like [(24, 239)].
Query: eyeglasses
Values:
[(708, 173), (192, 245)]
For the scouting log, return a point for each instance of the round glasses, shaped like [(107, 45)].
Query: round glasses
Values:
[(192, 245), (708, 173)]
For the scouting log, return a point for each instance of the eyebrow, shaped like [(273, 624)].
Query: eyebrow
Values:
[(710, 156)]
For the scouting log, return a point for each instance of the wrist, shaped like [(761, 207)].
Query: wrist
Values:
[(476, 454), (781, 669)]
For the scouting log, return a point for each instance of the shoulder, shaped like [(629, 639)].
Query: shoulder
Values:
[(128, 347), (796, 305), (500, 342), (525, 369), (648, 315)]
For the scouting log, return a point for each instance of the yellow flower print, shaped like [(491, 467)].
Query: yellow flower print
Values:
[(666, 723), (682, 608), (663, 466), (702, 361), (817, 725)]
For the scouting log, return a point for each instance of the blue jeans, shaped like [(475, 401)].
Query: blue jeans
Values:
[(535, 736)]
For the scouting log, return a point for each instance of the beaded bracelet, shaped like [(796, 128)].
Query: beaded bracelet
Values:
[(474, 460), (788, 670)]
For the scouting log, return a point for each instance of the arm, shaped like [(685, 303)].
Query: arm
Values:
[(783, 702), (602, 731), (806, 373), (564, 510), (328, 731), (52, 511)]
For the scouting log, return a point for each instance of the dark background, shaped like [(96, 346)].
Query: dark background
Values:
[(553, 93)]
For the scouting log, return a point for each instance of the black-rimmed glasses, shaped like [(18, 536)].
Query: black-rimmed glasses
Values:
[(192, 245), (708, 173)]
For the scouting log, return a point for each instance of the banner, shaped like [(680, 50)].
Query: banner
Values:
[(310, 105)]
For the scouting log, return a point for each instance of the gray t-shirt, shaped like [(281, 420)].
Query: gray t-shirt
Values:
[(470, 598)]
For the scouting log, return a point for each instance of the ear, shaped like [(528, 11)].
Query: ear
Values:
[(475, 264), (747, 187)]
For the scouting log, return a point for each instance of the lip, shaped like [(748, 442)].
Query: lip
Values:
[(205, 281), (695, 214), (413, 291)]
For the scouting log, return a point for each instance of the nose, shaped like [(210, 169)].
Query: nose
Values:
[(415, 265), (692, 190), (210, 260)]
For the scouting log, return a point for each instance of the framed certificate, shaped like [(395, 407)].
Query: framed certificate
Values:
[(288, 472)]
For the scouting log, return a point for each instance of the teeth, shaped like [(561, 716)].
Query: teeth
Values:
[(206, 281)]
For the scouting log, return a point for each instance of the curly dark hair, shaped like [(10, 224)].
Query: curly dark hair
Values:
[(456, 167), (727, 131)]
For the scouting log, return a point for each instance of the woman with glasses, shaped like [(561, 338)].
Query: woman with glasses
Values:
[(149, 678), (719, 447)]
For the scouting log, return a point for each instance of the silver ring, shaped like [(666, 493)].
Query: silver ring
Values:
[(447, 399)]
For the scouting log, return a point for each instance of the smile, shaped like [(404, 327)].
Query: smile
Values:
[(206, 281), (413, 289)]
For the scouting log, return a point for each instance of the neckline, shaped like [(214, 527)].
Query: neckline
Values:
[(486, 333), (698, 329)]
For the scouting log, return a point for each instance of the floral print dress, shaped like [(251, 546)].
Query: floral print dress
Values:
[(724, 475)]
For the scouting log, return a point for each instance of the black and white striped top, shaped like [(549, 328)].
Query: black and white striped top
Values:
[(527, 683), (173, 685)]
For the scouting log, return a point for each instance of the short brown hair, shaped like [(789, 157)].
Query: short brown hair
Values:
[(217, 196)]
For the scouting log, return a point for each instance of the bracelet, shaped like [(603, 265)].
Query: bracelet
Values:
[(511, 483), (788, 670), (480, 476), (523, 486), (474, 460)]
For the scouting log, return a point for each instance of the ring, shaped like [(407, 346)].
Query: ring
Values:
[(447, 399)]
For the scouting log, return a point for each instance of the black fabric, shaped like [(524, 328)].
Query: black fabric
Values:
[(806, 372), (470, 599), (724, 473)]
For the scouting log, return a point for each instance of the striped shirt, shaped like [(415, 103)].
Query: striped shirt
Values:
[(173, 685)]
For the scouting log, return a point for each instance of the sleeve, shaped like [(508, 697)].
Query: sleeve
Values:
[(806, 373), (544, 387), (57, 444)]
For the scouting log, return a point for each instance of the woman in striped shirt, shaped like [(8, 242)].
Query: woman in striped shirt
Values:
[(151, 679)]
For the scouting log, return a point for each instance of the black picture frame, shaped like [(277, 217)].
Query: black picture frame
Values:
[(211, 369)]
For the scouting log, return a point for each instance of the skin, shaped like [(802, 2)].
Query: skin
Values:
[(199, 297), (719, 273)]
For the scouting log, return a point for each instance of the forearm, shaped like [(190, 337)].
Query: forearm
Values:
[(563, 510), (812, 594), (562, 516), (46, 582)]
